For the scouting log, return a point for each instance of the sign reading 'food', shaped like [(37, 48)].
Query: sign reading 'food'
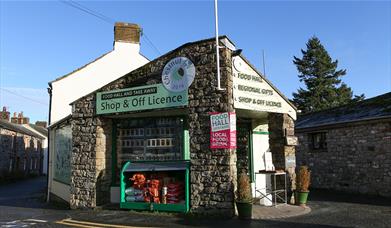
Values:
[(252, 92), (223, 130)]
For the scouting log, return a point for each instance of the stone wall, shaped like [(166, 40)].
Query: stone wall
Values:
[(281, 126), (357, 159), (83, 159), (213, 173), (23, 151)]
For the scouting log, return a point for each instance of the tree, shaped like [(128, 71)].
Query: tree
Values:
[(322, 79)]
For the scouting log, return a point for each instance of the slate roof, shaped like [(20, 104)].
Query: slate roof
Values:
[(40, 129), (18, 128), (373, 108)]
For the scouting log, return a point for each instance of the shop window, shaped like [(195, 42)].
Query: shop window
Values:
[(319, 140), (149, 139), (62, 153)]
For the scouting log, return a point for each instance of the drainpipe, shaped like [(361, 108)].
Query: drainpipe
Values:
[(48, 151)]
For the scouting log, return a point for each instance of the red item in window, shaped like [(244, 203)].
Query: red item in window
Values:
[(138, 180)]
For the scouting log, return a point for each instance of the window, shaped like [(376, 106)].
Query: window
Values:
[(319, 140), (149, 139)]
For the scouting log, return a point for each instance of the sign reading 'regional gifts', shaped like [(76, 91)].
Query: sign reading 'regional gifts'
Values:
[(252, 92), (139, 98), (223, 130)]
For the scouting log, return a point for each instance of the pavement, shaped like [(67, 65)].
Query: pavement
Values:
[(22, 205), (278, 212)]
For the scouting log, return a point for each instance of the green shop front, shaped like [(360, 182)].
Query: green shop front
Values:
[(148, 140)]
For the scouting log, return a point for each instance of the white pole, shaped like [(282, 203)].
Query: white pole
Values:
[(217, 47)]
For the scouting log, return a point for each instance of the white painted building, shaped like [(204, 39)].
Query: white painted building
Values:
[(124, 58)]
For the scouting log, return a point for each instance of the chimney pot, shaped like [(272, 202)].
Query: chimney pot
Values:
[(127, 32)]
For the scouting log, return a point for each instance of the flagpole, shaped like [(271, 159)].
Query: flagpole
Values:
[(217, 47)]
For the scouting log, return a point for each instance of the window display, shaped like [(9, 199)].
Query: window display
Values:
[(149, 139), (155, 185)]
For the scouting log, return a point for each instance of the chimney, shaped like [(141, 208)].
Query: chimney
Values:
[(127, 32), (14, 119), (20, 119), (5, 115), (41, 124)]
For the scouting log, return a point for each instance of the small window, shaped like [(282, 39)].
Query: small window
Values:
[(319, 141)]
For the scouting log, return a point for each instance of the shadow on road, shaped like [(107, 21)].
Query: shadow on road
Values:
[(244, 224), (27, 193), (338, 196)]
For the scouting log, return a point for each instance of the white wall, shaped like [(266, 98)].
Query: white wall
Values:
[(260, 145), (61, 190), (123, 59)]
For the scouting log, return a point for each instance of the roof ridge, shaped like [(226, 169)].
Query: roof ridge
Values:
[(18, 128), (366, 101)]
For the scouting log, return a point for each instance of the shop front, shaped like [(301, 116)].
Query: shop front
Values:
[(164, 138)]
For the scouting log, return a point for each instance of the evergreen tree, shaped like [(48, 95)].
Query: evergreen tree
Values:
[(322, 79)]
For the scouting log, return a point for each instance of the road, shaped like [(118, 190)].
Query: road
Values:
[(22, 205)]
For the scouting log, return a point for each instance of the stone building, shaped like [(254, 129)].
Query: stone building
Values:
[(163, 112), (348, 148), (21, 152)]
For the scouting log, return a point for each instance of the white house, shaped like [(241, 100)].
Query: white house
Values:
[(124, 58)]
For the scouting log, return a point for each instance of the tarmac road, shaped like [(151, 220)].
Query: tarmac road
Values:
[(22, 205)]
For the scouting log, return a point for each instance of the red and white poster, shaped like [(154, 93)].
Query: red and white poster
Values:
[(223, 130)]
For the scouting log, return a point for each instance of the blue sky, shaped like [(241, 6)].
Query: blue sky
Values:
[(43, 40)]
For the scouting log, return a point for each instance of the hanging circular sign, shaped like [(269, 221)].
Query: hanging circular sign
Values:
[(178, 74)]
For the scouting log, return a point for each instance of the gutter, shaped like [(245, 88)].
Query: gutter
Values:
[(50, 89)]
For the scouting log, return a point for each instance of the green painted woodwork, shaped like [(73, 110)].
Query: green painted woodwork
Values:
[(251, 156), (113, 152), (186, 140), (183, 207), (261, 132)]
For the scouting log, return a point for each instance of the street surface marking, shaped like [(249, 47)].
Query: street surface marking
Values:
[(35, 220), (21, 223), (85, 224)]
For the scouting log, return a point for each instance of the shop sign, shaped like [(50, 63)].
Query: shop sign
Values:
[(178, 74), (139, 98), (223, 130), (252, 92)]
